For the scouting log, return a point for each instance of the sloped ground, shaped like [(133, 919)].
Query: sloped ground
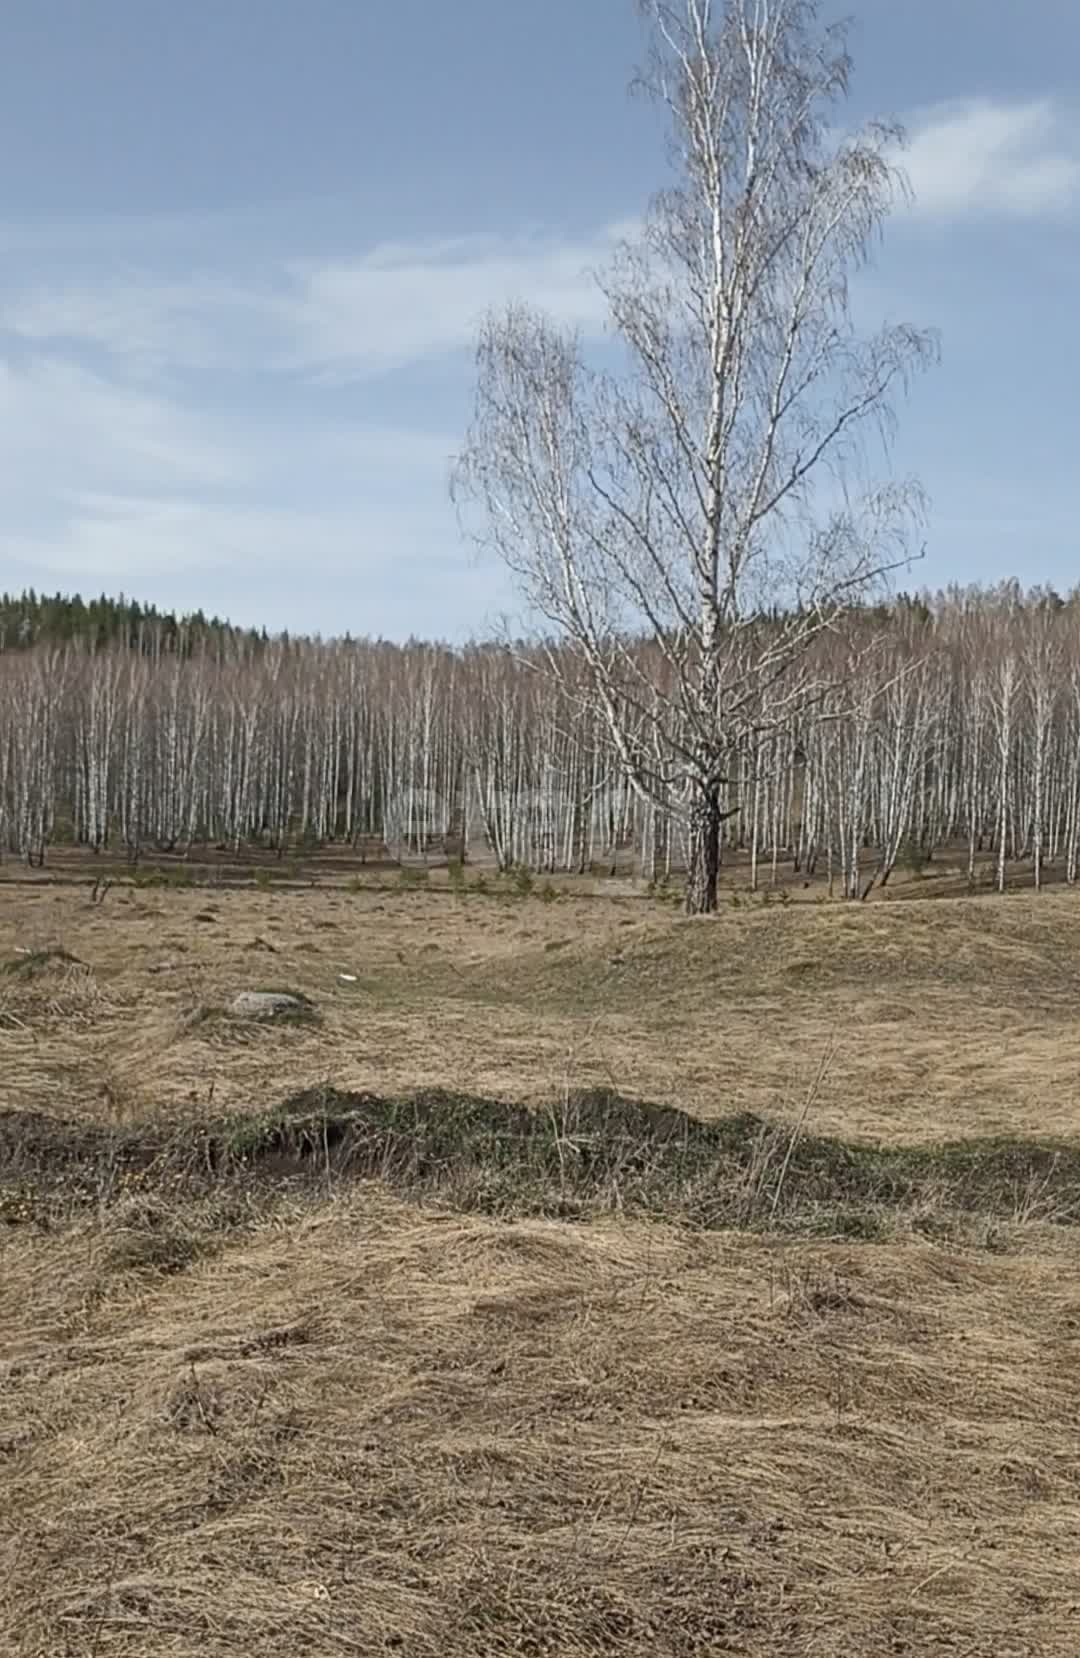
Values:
[(958, 1015)]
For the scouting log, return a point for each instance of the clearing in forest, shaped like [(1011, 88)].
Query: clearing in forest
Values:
[(572, 1278)]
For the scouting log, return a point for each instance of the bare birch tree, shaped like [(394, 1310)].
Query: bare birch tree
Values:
[(715, 476)]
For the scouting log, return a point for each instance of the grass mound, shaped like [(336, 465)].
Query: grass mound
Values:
[(595, 1152), (600, 1150)]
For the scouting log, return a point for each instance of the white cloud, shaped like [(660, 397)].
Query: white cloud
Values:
[(210, 434), (152, 324), (342, 318), (383, 567), (306, 520), (62, 425), (981, 158), (399, 305), (125, 537)]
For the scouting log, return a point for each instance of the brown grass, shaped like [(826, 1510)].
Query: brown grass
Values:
[(364, 1428), (336, 1421), (963, 1013)]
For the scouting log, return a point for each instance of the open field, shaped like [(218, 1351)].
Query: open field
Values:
[(368, 1375), (961, 1017)]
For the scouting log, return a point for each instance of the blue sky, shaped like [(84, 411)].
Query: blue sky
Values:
[(244, 245)]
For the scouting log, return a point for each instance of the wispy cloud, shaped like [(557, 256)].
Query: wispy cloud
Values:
[(266, 429), (341, 318), (378, 566), (61, 421), (401, 304), (981, 159), (149, 323), (219, 429), (305, 520)]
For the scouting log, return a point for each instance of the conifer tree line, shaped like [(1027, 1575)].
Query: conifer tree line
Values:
[(954, 722), (30, 618)]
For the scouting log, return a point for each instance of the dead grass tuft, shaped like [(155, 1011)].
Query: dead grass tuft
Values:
[(32, 964)]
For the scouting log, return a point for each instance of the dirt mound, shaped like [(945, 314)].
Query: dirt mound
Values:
[(589, 1153)]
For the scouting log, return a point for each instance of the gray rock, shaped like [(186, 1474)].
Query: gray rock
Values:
[(267, 1004)]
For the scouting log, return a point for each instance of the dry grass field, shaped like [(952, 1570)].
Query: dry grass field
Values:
[(299, 1356), (958, 1017)]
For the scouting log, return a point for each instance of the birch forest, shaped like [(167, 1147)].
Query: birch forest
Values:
[(958, 726)]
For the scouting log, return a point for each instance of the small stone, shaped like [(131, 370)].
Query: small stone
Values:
[(267, 1004)]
